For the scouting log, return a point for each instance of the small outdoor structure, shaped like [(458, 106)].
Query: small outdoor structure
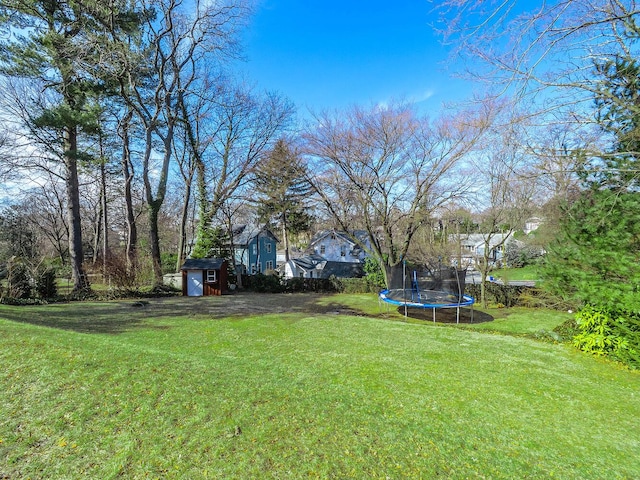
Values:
[(435, 290), (204, 277)]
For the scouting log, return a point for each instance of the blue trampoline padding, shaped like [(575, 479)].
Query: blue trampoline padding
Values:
[(425, 298)]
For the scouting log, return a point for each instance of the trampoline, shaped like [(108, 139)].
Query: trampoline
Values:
[(445, 290)]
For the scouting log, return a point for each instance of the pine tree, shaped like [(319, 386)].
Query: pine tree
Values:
[(57, 44), (283, 190), (617, 101), (595, 260)]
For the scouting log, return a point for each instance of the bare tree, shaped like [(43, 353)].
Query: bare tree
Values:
[(546, 55), (386, 170), (508, 194), (176, 45), (240, 127)]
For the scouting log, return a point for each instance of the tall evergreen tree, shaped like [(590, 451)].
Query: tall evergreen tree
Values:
[(55, 43), (283, 191), (617, 102), (596, 257)]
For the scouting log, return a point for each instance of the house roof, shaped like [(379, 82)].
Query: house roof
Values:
[(325, 268), (478, 239), (243, 234), (342, 269), (361, 235), (308, 262), (202, 264)]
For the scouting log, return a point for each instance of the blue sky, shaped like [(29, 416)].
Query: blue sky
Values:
[(332, 54)]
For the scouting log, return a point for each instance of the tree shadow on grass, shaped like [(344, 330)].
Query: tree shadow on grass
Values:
[(101, 318), (447, 315), (117, 317)]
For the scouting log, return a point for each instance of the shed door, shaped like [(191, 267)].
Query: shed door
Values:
[(195, 287)]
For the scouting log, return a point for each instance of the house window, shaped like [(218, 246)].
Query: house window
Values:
[(323, 249), (343, 251), (301, 274), (253, 268), (254, 249), (268, 247), (310, 274), (212, 276), (269, 265)]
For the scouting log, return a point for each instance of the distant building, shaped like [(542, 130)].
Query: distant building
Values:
[(473, 246), (254, 249), (532, 224), (336, 246), (204, 277)]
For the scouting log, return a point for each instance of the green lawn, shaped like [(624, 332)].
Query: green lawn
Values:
[(104, 391), (512, 274)]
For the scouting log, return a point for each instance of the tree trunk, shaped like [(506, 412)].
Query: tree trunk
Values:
[(104, 218), (154, 238), (97, 232), (127, 173), (182, 245), (78, 277), (285, 238), (154, 204)]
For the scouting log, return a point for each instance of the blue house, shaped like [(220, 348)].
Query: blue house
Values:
[(254, 249)]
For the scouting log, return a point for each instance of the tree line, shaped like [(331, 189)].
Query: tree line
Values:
[(138, 138)]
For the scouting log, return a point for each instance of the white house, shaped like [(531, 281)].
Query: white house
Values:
[(532, 224), (473, 246), (336, 246)]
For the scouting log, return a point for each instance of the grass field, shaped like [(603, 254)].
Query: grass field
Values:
[(303, 387), (511, 274)]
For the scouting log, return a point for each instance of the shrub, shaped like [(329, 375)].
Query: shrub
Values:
[(298, 285), (567, 330), (264, 283), (520, 254), (373, 273), (46, 283), (506, 295), (168, 262), (355, 285), (120, 277), (607, 333), (18, 280)]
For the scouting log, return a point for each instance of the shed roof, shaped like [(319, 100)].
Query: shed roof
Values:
[(203, 264)]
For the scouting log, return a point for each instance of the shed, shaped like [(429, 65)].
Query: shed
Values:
[(204, 277)]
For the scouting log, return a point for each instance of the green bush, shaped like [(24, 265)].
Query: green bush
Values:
[(168, 262), (263, 283), (46, 283), (18, 280), (373, 274), (567, 330), (355, 285), (299, 285), (606, 333), (507, 295)]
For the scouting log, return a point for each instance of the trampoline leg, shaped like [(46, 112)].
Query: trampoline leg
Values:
[(457, 314), (471, 313), (434, 315)]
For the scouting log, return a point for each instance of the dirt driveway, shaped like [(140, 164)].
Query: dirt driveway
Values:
[(118, 316), (250, 303)]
